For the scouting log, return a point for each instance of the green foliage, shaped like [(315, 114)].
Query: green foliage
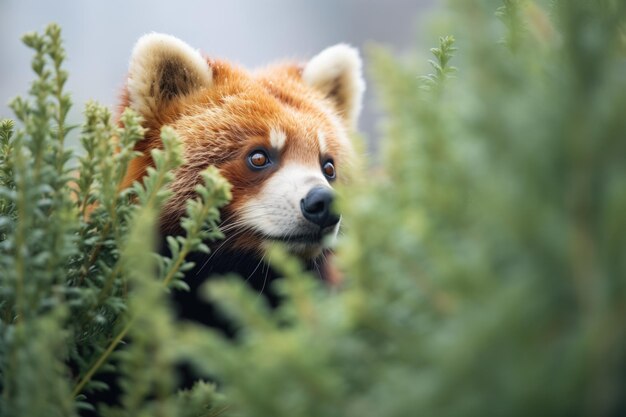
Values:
[(78, 274), (200, 225), (443, 54), (484, 263)]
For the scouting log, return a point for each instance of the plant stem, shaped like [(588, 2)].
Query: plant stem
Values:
[(85, 379)]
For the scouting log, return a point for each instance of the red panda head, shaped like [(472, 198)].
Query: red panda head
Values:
[(279, 135)]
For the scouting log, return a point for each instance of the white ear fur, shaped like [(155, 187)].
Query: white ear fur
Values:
[(337, 73), (161, 68)]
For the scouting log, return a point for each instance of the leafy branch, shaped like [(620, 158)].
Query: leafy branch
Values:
[(443, 54)]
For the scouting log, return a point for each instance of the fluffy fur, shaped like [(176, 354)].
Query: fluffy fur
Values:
[(299, 114), (336, 73)]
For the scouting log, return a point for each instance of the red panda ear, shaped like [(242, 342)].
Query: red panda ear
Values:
[(337, 73), (161, 69)]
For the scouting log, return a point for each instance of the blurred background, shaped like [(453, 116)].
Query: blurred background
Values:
[(99, 36)]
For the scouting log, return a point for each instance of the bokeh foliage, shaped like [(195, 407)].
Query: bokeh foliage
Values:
[(485, 259)]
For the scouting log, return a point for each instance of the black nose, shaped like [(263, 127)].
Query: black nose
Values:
[(316, 207)]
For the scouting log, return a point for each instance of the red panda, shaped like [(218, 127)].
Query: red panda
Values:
[(279, 135)]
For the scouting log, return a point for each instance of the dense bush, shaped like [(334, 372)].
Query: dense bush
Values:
[(485, 260)]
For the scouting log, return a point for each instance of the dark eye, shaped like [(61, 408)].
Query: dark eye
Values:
[(329, 170), (258, 159)]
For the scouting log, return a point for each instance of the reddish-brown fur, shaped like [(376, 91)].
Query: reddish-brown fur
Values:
[(222, 124)]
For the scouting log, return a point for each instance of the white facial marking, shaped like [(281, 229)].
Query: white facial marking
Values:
[(321, 137), (275, 211), (277, 139)]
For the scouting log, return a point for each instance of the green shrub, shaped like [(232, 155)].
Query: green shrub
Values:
[(77, 270), (485, 261)]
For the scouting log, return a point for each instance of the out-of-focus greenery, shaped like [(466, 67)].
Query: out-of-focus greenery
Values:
[(484, 261)]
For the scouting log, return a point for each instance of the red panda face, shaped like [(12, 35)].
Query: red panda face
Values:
[(278, 135)]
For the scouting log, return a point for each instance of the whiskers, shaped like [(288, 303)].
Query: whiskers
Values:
[(318, 261), (244, 250), (232, 230)]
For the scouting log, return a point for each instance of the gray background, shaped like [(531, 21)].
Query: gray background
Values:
[(99, 36)]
